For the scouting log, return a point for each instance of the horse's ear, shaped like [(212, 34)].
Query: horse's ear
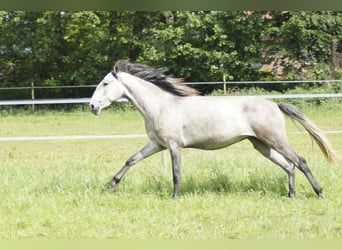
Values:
[(116, 68)]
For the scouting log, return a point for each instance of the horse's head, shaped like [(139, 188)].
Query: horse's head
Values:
[(107, 91)]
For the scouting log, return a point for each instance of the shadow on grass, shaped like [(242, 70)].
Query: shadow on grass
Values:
[(260, 183), (225, 184), (162, 186)]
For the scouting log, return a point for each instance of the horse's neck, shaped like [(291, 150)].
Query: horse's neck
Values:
[(145, 96)]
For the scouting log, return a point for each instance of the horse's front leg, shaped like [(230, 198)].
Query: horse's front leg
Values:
[(150, 149), (175, 152)]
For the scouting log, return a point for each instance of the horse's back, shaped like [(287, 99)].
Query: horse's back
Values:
[(231, 107)]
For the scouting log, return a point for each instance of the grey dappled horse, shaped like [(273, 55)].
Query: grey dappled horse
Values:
[(177, 117)]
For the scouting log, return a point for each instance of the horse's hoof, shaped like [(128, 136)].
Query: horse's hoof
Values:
[(291, 195), (112, 187), (320, 195)]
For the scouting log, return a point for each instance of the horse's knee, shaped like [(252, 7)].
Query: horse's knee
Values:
[(133, 160)]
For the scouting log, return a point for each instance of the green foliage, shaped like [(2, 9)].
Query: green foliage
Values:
[(205, 45), (78, 47), (303, 43)]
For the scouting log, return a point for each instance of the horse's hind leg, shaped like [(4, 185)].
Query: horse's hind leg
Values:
[(278, 159), (288, 159), (302, 166)]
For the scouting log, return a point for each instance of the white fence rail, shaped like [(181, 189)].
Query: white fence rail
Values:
[(86, 100), (34, 101), (104, 137)]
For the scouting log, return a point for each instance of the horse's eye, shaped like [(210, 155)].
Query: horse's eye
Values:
[(105, 84)]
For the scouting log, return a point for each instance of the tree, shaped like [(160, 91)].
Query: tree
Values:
[(85, 40), (303, 42), (76, 48), (205, 45)]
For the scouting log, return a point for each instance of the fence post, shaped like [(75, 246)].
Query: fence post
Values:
[(224, 84), (32, 94)]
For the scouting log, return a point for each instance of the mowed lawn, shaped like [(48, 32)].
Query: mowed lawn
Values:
[(57, 189)]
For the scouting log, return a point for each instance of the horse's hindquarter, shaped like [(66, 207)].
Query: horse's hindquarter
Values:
[(205, 122)]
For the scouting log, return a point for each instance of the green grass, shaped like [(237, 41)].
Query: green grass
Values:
[(57, 189)]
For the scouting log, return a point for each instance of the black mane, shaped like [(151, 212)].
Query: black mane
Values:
[(158, 77)]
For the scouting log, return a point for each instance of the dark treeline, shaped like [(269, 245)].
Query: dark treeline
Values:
[(51, 48)]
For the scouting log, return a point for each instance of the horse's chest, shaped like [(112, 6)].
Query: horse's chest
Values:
[(156, 132)]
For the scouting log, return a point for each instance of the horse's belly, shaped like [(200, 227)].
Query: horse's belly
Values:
[(212, 143)]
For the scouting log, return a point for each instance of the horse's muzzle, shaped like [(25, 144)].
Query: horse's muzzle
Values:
[(94, 110)]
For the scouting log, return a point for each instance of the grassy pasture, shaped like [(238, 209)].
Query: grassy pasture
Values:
[(57, 189)]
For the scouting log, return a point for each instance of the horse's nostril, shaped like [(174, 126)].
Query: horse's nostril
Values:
[(91, 106)]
